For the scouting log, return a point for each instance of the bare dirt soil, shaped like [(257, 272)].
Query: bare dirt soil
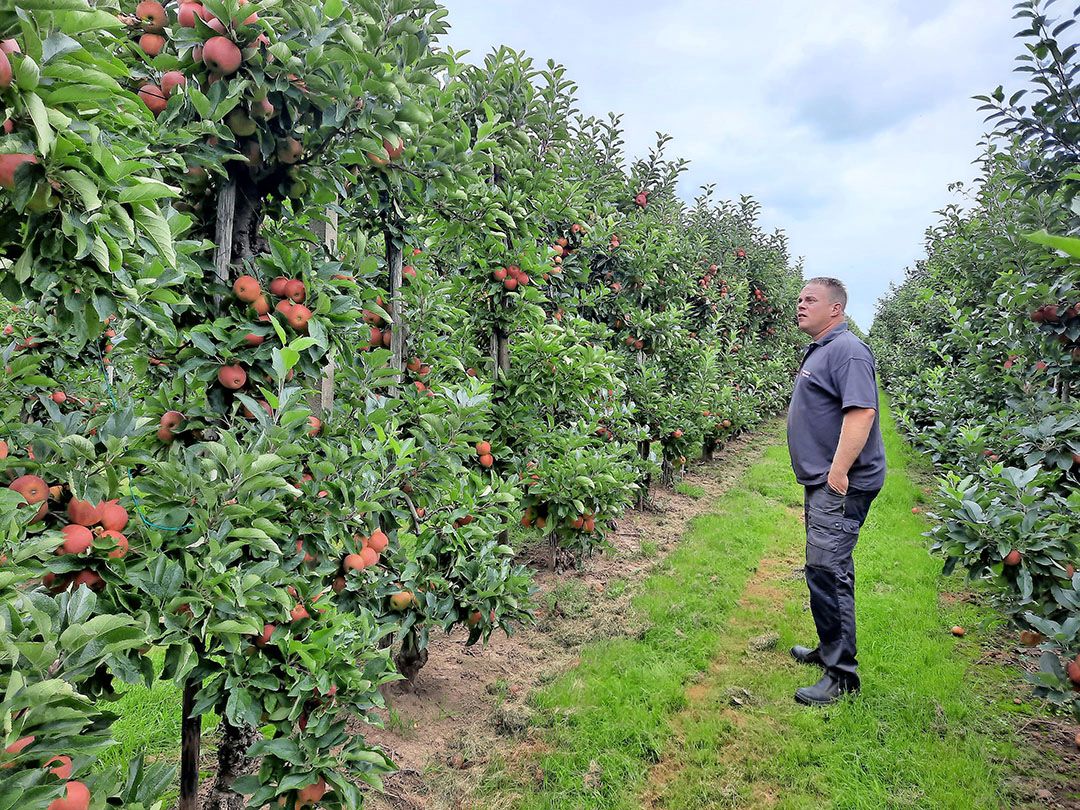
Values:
[(1049, 774)]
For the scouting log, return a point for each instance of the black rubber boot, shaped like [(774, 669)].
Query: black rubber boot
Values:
[(826, 691), (804, 655)]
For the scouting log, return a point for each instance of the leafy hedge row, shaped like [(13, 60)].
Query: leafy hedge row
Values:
[(980, 347)]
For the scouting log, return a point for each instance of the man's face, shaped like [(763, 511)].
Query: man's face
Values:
[(815, 310)]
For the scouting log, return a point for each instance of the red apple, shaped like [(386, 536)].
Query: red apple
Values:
[(152, 15), (77, 539), (77, 797), (63, 766), (170, 80), (232, 377), (378, 541), (121, 541), (10, 163), (295, 291), (114, 517), (34, 490), (264, 638), (221, 55), (246, 288), (154, 98), (152, 44), (84, 513), (188, 13)]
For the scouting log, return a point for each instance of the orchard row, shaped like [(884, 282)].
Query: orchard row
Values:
[(311, 325), (980, 347)]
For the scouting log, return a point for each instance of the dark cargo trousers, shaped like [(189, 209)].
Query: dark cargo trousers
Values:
[(832, 530)]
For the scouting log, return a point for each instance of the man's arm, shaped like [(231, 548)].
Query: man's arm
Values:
[(853, 436)]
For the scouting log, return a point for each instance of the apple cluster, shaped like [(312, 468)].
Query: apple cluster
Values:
[(219, 54), (709, 276), (510, 277), (215, 50), (1055, 313), (483, 454), (87, 523)]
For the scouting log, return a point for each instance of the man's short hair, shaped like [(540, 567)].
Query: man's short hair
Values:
[(836, 288)]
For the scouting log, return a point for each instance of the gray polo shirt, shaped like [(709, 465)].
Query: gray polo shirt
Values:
[(837, 373)]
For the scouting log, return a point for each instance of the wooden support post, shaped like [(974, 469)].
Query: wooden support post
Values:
[(397, 334), (223, 234), (503, 353), (327, 231), (326, 390), (500, 354)]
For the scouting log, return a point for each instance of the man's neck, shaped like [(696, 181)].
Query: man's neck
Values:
[(832, 325)]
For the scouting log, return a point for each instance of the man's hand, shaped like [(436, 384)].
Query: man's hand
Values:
[(838, 481)]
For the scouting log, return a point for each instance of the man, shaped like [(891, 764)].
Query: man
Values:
[(834, 439)]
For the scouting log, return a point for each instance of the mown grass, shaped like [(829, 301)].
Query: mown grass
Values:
[(149, 724), (690, 490), (698, 712), (921, 734), (609, 717)]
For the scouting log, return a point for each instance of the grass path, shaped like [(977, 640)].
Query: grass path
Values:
[(698, 711), (918, 736)]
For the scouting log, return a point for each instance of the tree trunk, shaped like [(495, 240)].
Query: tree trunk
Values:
[(562, 559), (708, 448), (667, 472), (246, 239), (233, 762), (643, 451), (190, 741), (237, 240), (410, 658)]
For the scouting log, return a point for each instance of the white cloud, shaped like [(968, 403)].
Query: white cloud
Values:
[(845, 120)]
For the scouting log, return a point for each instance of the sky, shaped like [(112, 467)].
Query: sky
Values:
[(846, 120)]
